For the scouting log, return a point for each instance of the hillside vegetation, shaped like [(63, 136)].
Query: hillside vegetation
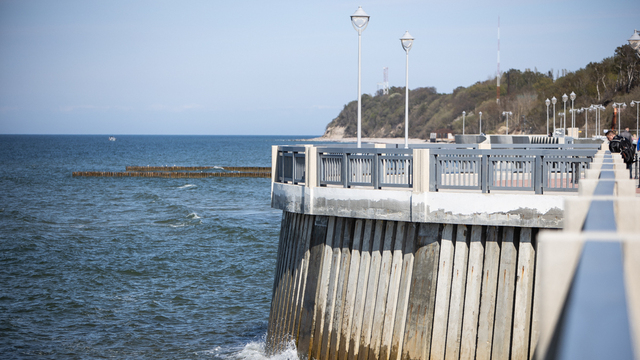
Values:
[(614, 79)]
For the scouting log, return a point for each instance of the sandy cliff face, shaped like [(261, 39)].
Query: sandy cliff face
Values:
[(334, 132)]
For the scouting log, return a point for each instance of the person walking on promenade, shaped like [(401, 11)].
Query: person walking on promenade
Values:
[(627, 135), (619, 144)]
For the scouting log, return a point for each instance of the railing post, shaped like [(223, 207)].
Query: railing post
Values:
[(376, 168), (345, 167), (282, 167), (293, 168), (484, 173), (375, 171), (274, 163), (537, 174), (319, 168), (422, 173), (311, 166), (433, 171), (274, 166)]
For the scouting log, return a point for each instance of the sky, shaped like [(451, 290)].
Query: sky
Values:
[(268, 67)]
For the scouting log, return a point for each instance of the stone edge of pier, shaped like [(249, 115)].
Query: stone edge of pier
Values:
[(496, 209)]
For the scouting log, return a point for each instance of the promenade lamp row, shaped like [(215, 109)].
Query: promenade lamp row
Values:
[(360, 20), (618, 107), (622, 106), (634, 42)]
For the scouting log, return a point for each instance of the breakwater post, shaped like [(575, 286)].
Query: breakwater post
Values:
[(180, 172)]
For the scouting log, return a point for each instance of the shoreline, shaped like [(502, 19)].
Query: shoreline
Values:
[(369, 140)]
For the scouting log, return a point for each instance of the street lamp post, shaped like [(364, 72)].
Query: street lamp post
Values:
[(634, 103), (579, 111), (359, 20), (586, 110), (620, 106), (561, 115), (407, 42), (564, 126), (480, 126), (573, 117), (553, 101), (463, 114), (573, 114), (547, 102), (600, 108), (597, 108), (507, 113)]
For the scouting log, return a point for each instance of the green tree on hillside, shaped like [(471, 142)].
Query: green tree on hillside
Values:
[(614, 79)]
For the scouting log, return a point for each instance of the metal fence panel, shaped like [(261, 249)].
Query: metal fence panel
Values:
[(511, 173), (534, 168), (361, 170), (458, 172), (563, 174), (330, 171), (395, 171)]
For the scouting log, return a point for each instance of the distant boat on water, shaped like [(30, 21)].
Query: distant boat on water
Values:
[(112, 138)]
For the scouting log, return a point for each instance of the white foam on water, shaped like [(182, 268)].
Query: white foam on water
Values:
[(193, 216), (255, 351), (215, 351), (186, 186)]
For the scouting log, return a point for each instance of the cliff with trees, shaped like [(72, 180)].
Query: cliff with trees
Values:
[(614, 79)]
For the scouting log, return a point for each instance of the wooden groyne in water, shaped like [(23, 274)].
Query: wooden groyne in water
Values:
[(199, 168), (169, 174), (181, 172)]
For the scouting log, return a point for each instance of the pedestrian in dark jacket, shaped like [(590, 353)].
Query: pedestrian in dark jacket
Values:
[(619, 144)]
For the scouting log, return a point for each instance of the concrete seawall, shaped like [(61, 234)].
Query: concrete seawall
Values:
[(373, 266), (354, 288)]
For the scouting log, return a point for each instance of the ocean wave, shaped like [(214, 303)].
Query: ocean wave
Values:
[(189, 220), (146, 196), (255, 351), (186, 186)]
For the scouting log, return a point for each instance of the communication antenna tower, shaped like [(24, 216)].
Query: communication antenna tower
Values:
[(385, 81), (498, 73)]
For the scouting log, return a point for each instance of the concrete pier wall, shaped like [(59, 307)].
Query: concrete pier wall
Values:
[(357, 288)]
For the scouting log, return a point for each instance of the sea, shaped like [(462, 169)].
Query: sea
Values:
[(132, 267)]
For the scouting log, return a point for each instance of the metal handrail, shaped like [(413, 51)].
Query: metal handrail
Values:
[(375, 167), (548, 146), (290, 165), (537, 169), (506, 169)]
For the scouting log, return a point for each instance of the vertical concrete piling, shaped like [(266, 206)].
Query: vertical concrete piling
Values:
[(348, 288)]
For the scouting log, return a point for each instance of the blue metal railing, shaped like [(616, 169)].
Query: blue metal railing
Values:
[(375, 167), (290, 166), (537, 167), (507, 169)]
